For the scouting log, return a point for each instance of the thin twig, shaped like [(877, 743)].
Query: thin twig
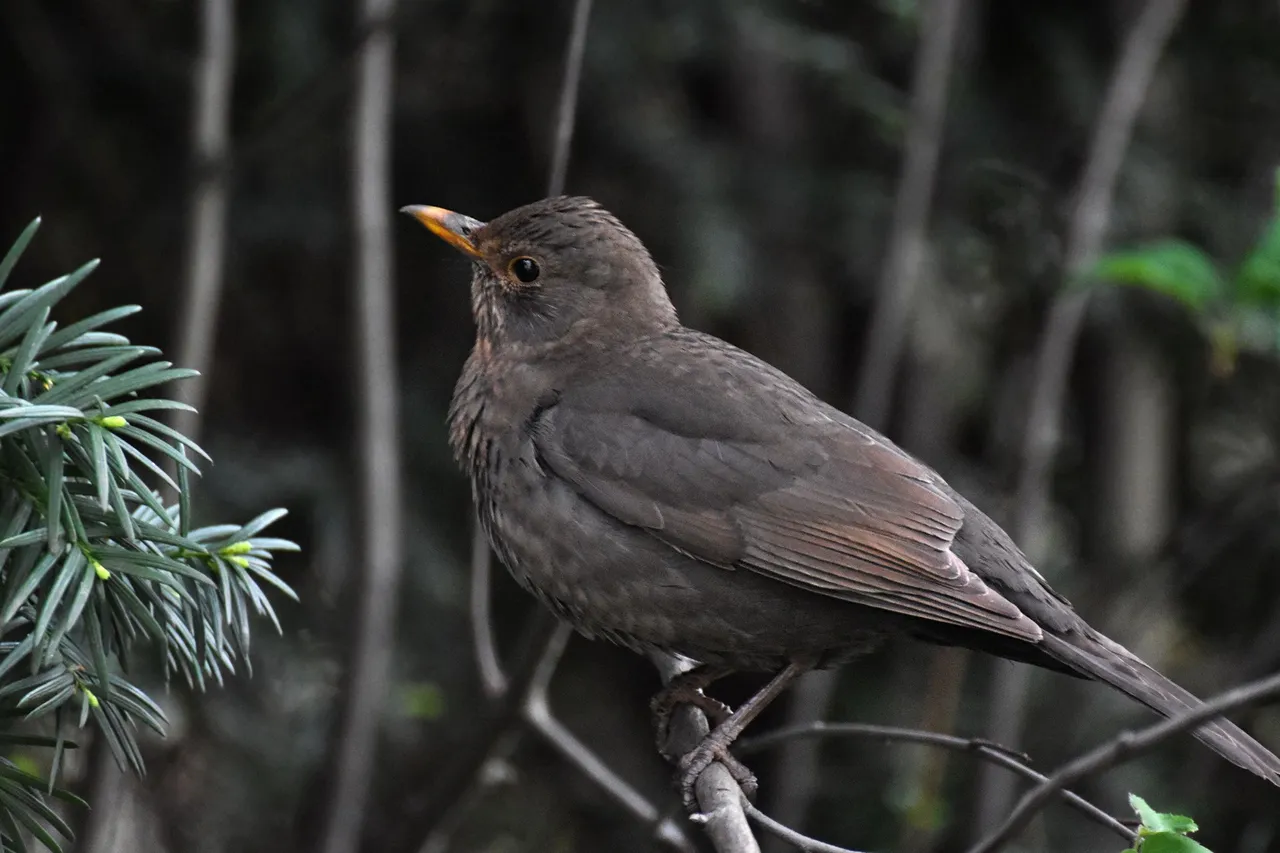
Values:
[(984, 749), (1124, 747), (492, 679), (1126, 92), (206, 247), (786, 833), (368, 671), (538, 715), (569, 87)]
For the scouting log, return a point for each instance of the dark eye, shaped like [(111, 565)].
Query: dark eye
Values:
[(525, 269)]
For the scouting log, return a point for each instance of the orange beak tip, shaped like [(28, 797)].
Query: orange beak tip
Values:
[(454, 228)]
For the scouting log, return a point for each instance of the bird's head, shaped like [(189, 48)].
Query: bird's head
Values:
[(554, 267)]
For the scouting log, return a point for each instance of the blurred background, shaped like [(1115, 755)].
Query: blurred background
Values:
[(760, 150)]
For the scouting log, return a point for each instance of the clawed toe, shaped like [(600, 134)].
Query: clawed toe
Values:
[(686, 689), (693, 763)]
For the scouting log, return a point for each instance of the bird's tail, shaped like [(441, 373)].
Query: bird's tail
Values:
[(1096, 656)]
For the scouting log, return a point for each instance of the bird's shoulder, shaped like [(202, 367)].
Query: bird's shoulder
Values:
[(686, 404), (696, 384)]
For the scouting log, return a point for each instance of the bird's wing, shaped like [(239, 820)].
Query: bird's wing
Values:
[(752, 472)]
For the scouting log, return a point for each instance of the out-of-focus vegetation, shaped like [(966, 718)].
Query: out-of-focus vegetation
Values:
[(1240, 308), (755, 147)]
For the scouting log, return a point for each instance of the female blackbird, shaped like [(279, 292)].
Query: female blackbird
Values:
[(660, 488)]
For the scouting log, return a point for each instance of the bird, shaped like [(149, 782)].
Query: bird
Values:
[(660, 488)]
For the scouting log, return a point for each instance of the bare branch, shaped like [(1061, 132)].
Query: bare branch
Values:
[(569, 87), (786, 833), (492, 679), (986, 750), (544, 669), (368, 671), (537, 713), (206, 247), (1124, 747), (1126, 92)]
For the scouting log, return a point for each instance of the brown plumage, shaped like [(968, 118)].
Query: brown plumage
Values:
[(660, 488)]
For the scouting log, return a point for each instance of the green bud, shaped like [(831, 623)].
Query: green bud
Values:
[(93, 700), (113, 422), (100, 570), (239, 561), (236, 548)]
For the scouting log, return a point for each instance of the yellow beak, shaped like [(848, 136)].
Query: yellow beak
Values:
[(454, 228)]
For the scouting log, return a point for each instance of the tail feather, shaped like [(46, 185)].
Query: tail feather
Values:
[(1097, 657)]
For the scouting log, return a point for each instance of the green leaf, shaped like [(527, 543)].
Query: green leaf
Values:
[(24, 410), (71, 570), (1171, 842), (184, 497), (124, 556), (15, 319), (148, 405), (30, 537), (15, 251), (19, 596), (14, 512), (77, 382), (163, 429), (71, 618), (98, 449), (71, 335), (262, 522), (140, 488), (131, 381), (133, 432), (1257, 282), (90, 355), (55, 700), (12, 833), (1173, 267), (37, 333), (54, 481), (97, 641), (1164, 833), (77, 436), (1159, 821)]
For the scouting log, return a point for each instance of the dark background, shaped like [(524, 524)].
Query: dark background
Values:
[(756, 148)]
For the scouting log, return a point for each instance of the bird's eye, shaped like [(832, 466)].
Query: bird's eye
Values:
[(525, 269)]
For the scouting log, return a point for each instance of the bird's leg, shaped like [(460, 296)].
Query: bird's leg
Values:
[(686, 689), (715, 746)]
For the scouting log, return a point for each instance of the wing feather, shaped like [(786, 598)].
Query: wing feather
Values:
[(811, 498)]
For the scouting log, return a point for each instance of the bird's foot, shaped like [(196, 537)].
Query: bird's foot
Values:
[(710, 750), (686, 689)]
